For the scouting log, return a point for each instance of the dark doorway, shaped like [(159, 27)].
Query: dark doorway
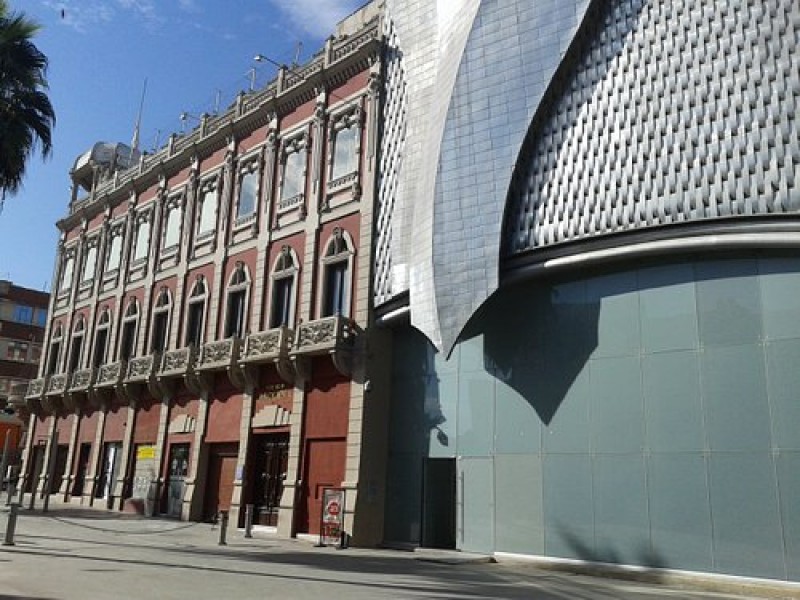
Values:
[(60, 468), (439, 503), (82, 468), (35, 469), (269, 463), (176, 480)]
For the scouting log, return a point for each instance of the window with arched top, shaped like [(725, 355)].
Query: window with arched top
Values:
[(195, 312), (236, 306), (130, 326), (76, 344), (284, 284), (159, 332), (336, 275), (101, 336), (55, 348)]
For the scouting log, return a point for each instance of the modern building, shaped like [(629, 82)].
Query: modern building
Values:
[(588, 258), (23, 316), (207, 343)]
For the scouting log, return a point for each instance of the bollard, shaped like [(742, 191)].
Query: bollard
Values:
[(223, 527), (248, 521), (11, 525)]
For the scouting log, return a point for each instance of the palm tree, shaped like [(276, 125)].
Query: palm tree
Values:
[(26, 115)]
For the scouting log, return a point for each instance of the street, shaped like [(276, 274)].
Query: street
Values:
[(70, 553)]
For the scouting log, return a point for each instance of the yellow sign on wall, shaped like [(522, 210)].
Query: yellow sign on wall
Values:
[(145, 452)]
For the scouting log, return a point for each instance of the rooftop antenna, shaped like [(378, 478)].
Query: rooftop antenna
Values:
[(135, 140), (297, 53), (217, 100)]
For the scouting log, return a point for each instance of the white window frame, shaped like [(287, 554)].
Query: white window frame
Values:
[(235, 287), (291, 146), (198, 295), (286, 266), (338, 248)]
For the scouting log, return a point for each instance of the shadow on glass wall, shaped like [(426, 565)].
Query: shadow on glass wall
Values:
[(537, 339)]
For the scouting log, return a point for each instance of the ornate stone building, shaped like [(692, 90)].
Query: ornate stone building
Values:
[(206, 346)]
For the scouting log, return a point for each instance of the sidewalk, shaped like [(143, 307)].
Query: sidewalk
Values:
[(87, 554)]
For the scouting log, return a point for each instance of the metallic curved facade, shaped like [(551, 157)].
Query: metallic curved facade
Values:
[(554, 122), (669, 113)]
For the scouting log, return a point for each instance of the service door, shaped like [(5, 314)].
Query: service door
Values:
[(221, 476), (323, 467), (439, 503)]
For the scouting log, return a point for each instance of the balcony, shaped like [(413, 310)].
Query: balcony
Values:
[(36, 388), (57, 384), (334, 336), (34, 394), (110, 375), (142, 368), (267, 346), (219, 356), (324, 336), (178, 363), (82, 380)]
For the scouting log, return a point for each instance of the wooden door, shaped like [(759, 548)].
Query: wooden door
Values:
[(323, 467), (219, 484)]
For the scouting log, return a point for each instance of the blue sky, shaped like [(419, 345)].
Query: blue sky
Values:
[(101, 52)]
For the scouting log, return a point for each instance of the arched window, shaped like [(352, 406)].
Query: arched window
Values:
[(130, 325), (195, 312), (284, 283), (55, 348), (76, 345), (101, 338), (159, 333), (235, 317), (336, 277)]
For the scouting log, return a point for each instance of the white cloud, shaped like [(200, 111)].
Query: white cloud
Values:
[(81, 16), (189, 6), (145, 10), (316, 17)]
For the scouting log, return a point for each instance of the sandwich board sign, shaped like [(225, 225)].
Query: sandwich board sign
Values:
[(332, 518)]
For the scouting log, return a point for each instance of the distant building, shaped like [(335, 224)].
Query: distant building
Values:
[(205, 345), (23, 316)]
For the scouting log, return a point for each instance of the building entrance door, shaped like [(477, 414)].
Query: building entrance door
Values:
[(323, 467), (219, 483), (268, 474), (81, 470), (439, 503), (176, 478), (109, 469)]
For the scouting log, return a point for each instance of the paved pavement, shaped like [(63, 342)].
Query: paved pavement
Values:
[(72, 553)]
